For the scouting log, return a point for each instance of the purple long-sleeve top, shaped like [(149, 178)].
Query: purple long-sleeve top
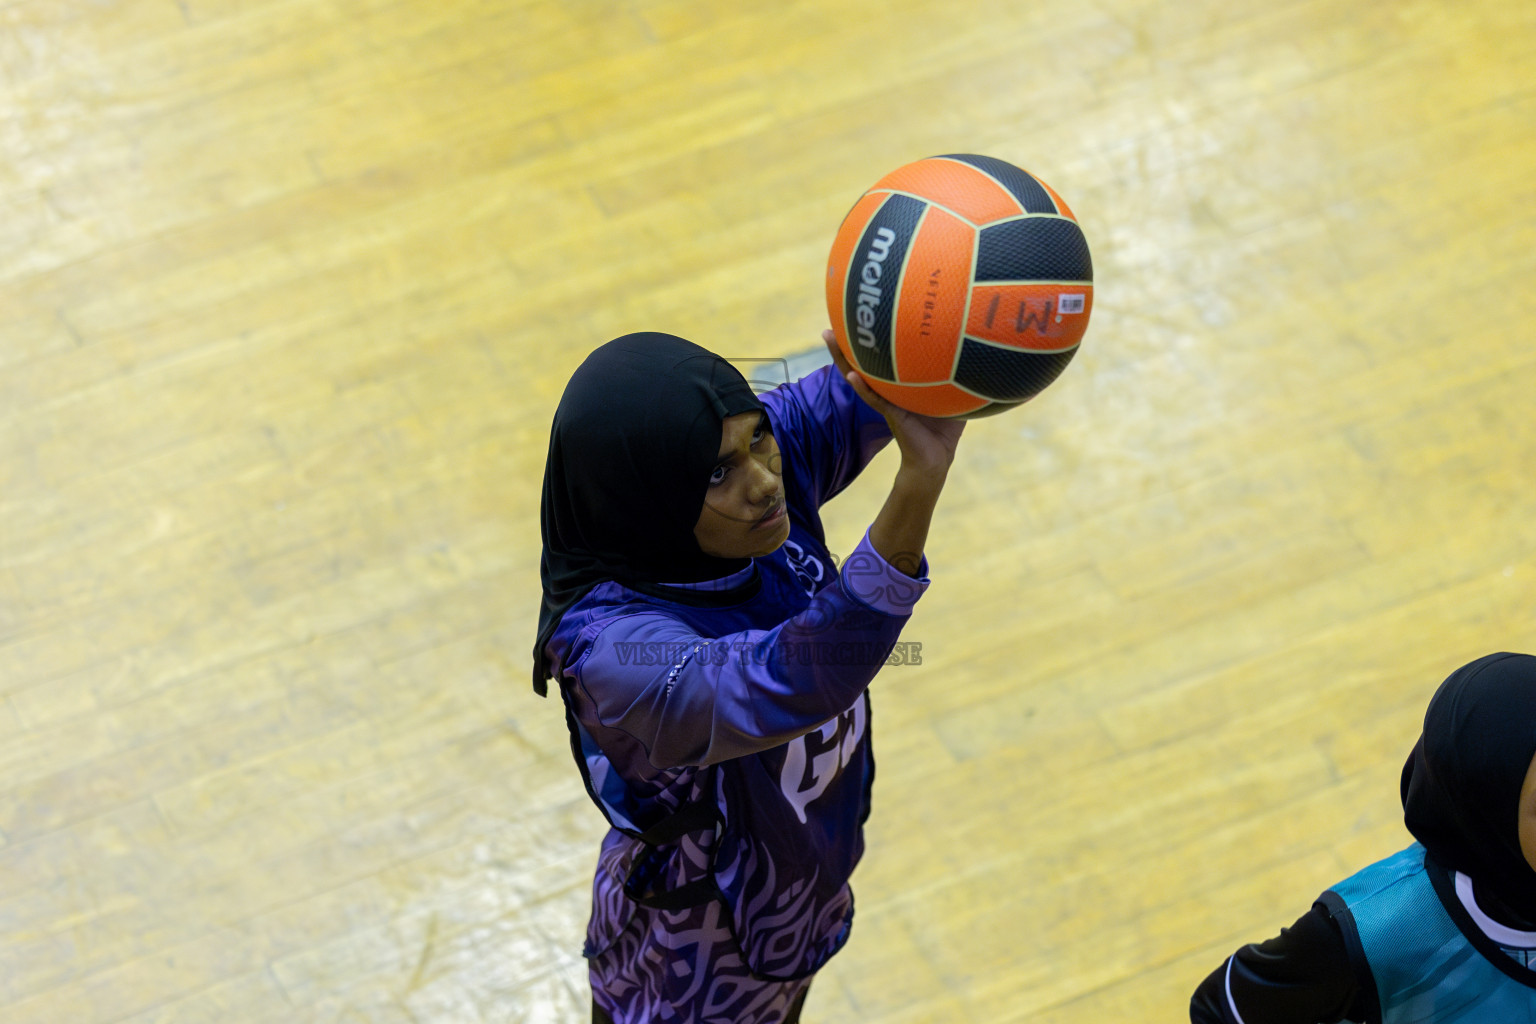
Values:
[(746, 695)]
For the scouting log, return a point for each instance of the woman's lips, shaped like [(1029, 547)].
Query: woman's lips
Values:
[(772, 518)]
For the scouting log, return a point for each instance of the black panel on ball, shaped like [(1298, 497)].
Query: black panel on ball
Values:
[(1007, 374), (874, 280), (1029, 192), (1034, 249)]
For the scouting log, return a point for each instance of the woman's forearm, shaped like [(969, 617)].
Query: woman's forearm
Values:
[(900, 530)]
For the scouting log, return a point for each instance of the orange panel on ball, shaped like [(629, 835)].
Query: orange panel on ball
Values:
[(930, 313), (956, 186), (929, 400), (1066, 211), (1039, 317)]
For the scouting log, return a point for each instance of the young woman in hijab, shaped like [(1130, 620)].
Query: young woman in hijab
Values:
[(1443, 931), (713, 660)]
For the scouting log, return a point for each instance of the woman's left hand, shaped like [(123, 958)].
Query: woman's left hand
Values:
[(927, 443)]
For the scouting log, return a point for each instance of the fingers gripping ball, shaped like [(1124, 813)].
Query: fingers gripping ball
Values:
[(959, 286)]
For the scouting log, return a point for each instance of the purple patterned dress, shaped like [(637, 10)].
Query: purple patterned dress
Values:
[(743, 700)]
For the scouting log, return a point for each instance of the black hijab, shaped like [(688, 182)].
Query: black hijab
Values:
[(1461, 785), (633, 443)]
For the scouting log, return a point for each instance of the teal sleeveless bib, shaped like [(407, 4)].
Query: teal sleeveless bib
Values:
[(1434, 956)]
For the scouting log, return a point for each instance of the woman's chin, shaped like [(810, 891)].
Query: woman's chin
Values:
[(773, 537)]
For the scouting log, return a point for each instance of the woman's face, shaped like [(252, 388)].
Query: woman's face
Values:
[(744, 515), (1528, 816)]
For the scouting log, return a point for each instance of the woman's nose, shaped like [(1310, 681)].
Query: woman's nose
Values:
[(764, 481)]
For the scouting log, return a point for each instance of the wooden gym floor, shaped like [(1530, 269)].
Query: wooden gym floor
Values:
[(288, 291)]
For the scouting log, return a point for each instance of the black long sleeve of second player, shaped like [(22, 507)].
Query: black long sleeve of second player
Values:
[(1304, 975)]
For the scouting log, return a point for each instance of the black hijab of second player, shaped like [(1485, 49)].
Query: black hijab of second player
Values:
[(1461, 784)]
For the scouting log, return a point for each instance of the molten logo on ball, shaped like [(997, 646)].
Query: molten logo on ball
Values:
[(869, 295)]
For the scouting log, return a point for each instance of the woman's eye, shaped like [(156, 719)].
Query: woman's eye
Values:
[(758, 435), (718, 476)]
